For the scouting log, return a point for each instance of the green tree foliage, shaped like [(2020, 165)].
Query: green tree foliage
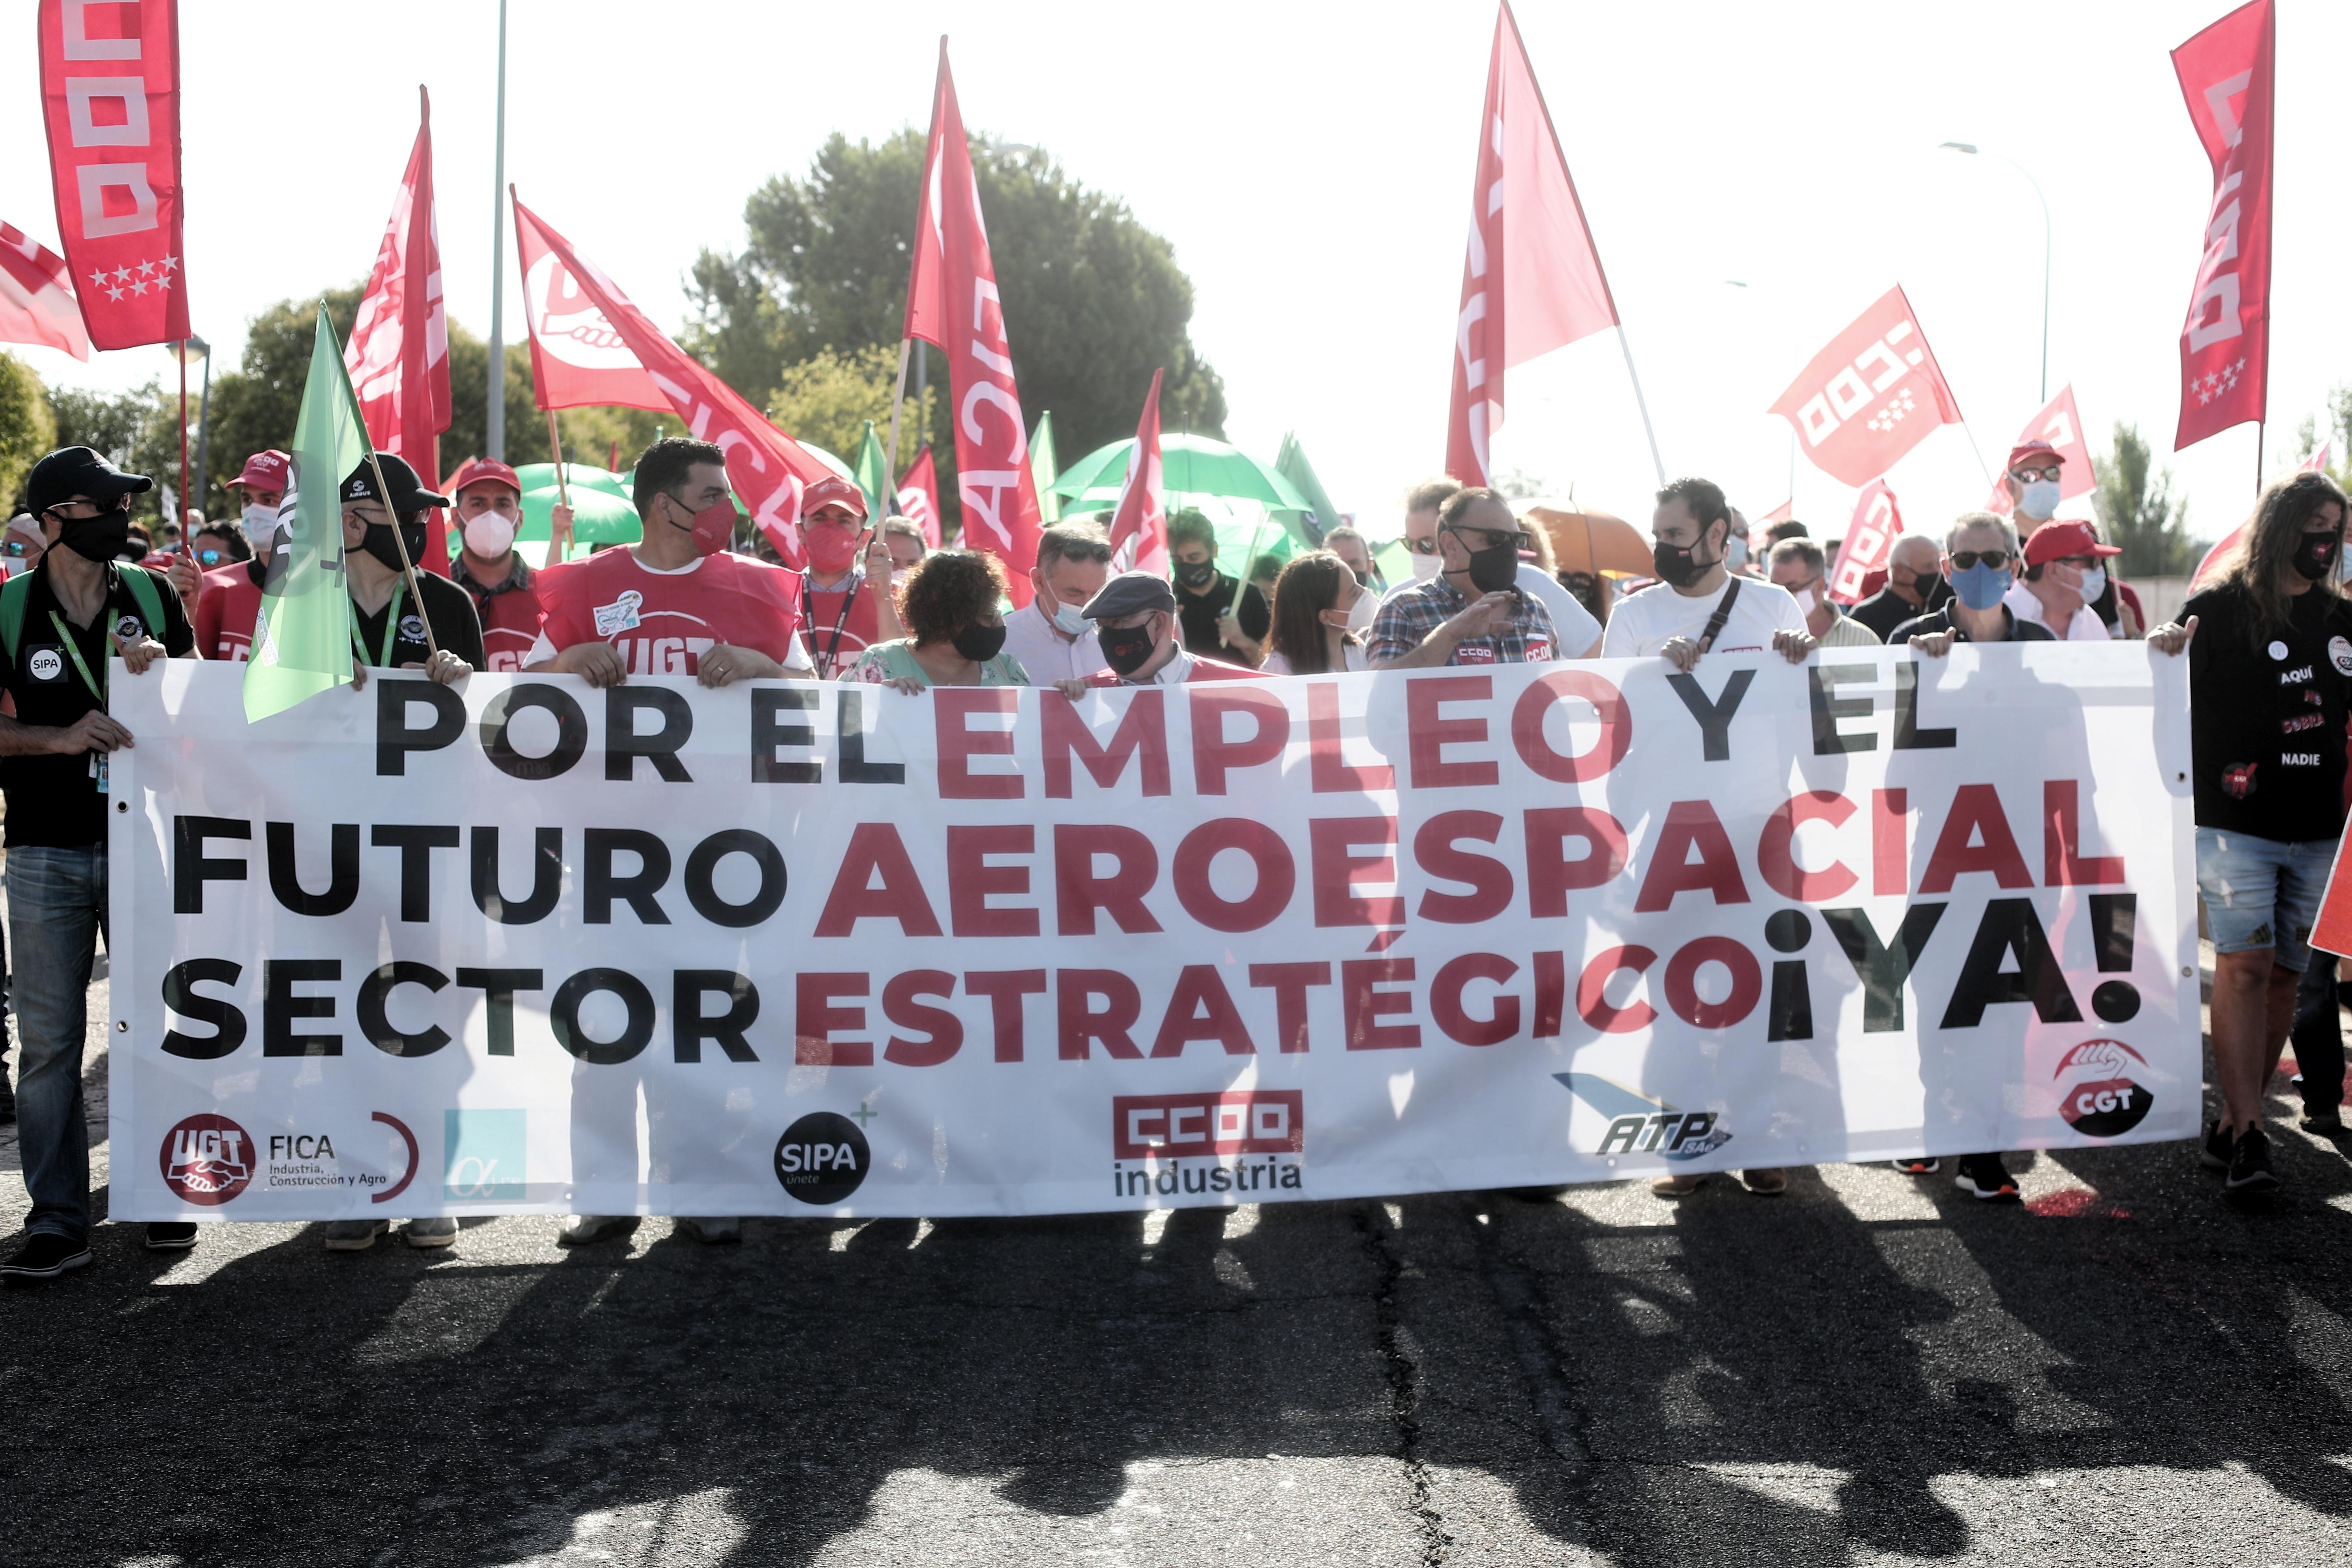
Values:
[(27, 428), (2140, 514), (828, 397), (1093, 300), (2338, 436)]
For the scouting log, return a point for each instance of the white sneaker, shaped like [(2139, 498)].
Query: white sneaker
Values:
[(712, 1232), (355, 1235), (581, 1230), (440, 1232)]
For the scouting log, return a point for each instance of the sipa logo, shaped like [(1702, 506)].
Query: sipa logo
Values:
[(207, 1160), (1640, 1125), (46, 664), (1186, 1126), (2100, 1098), (823, 1158)]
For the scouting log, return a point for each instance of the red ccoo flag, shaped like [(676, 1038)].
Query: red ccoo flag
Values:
[(37, 297), (1871, 396), (2225, 344), (2061, 426), (1139, 529), (110, 93), (918, 497), (1531, 281), (952, 301), (1869, 541), (767, 468), (398, 356)]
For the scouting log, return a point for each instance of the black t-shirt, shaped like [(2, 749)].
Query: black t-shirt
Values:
[(53, 801), (1198, 614), (1886, 610), (2266, 715), (450, 609), (1938, 622)]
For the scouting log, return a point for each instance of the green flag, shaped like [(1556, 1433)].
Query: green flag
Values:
[(874, 477), (1042, 467), (1292, 464), (302, 637)]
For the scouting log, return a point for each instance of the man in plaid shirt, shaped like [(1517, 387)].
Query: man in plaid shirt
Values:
[(1471, 613)]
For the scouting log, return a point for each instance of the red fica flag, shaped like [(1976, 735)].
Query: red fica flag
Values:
[(767, 468), (2061, 426), (36, 298), (2225, 344), (1532, 280), (398, 356), (578, 359), (1869, 541), (952, 301), (1871, 396), (1139, 529), (918, 497)]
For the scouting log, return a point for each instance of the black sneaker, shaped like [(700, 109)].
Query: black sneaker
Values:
[(7, 1097), (2326, 1124), (2250, 1163), (1984, 1176), (171, 1235), (45, 1256), (2215, 1154), (1918, 1165)]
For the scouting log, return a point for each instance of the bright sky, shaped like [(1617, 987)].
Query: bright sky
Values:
[(1312, 165)]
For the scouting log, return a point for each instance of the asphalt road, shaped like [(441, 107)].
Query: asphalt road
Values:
[(1869, 1369)]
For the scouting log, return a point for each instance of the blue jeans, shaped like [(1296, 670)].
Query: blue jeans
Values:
[(2260, 892), (56, 913)]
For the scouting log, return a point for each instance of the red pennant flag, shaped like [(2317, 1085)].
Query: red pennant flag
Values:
[(1139, 529), (2318, 462), (2225, 344), (1869, 541), (398, 356), (1871, 396), (2061, 426), (37, 297), (2202, 578), (767, 468), (1781, 513), (918, 497), (1532, 280), (952, 301), (110, 92), (578, 358)]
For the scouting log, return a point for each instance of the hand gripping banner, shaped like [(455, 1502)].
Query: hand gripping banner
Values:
[(794, 949)]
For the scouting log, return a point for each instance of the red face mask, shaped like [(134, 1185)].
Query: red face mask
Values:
[(713, 527), (830, 550)]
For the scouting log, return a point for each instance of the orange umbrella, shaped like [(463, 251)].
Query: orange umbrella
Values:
[(1592, 542)]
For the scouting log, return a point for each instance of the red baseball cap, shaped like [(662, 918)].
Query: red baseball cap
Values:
[(482, 470), (269, 471), (2025, 449), (2063, 540), (833, 490)]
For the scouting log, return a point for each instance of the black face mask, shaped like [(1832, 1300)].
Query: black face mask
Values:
[(1126, 648), (1927, 584), (980, 643), (1196, 573), (1494, 569), (100, 538), (378, 542), (1675, 565), (2315, 556)]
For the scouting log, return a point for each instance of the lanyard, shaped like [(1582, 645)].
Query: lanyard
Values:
[(840, 622), (391, 628), (97, 688)]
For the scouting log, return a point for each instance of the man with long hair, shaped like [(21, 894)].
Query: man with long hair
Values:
[(2269, 677)]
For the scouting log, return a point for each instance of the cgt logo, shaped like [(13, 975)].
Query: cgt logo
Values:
[(1184, 1126), (2102, 1100), (1640, 1125), (207, 1160)]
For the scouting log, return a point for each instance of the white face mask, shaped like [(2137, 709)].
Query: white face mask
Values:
[(2094, 583), (2039, 499), (1360, 612), (260, 521), (1424, 567), (1806, 601), (1070, 623), (1735, 553), (489, 534)]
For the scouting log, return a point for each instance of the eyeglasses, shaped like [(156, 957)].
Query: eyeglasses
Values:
[(1495, 538), (2027, 476), (1423, 546), (1964, 559)]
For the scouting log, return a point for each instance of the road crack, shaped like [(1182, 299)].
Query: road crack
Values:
[(1403, 1376)]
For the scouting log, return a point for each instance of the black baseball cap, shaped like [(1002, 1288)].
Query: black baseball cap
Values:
[(72, 471), (1128, 593), (409, 495)]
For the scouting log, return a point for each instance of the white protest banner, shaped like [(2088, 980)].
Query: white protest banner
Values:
[(794, 949)]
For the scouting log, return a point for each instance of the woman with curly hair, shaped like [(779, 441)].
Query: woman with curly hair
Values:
[(949, 602)]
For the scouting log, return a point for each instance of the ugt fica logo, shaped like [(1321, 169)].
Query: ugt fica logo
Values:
[(1641, 1125), (2101, 1099), (207, 1160)]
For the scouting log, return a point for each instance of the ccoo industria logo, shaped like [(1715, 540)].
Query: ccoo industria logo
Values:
[(1641, 1125)]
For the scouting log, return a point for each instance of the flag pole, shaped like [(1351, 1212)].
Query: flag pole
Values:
[(562, 493), (399, 542), (897, 400), (2260, 431), (494, 435), (180, 354), (1631, 374)]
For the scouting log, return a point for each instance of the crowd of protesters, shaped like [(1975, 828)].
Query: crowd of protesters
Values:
[(2270, 675)]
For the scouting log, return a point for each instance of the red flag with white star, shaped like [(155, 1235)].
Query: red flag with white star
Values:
[(2225, 344), (110, 96), (1871, 396)]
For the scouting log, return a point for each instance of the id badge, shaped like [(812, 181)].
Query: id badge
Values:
[(97, 769)]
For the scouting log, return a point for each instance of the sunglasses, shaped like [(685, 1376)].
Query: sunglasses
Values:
[(2027, 476), (209, 557), (1086, 552), (1964, 559), (1423, 546)]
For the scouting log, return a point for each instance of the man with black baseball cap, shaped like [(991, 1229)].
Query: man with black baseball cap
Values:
[(388, 628), (61, 626), (1135, 623)]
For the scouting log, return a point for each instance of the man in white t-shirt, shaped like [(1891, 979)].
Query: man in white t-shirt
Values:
[(1047, 635), (1693, 529), (2064, 570)]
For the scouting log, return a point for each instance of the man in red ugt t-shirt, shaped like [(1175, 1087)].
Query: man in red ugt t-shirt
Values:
[(838, 604)]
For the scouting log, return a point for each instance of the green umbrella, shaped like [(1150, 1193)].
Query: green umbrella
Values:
[(602, 511), (1190, 466)]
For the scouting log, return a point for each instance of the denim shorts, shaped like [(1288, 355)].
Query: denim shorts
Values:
[(2262, 893)]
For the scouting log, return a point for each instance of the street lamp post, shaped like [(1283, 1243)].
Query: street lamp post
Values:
[(1971, 149), (190, 348)]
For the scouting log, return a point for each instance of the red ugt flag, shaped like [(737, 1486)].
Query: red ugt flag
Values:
[(110, 94), (2061, 426), (918, 497), (952, 301), (1532, 280), (767, 468), (2225, 344), (398, 356), (1871, 396), (578, 358), (36, 298), (1139, 529)]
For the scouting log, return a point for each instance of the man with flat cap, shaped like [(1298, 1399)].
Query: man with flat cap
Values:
[(1136, 622), (62, 627), (388, 626)]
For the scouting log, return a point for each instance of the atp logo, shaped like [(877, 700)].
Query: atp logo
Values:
[(1641, 1125), (484, 1155)]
